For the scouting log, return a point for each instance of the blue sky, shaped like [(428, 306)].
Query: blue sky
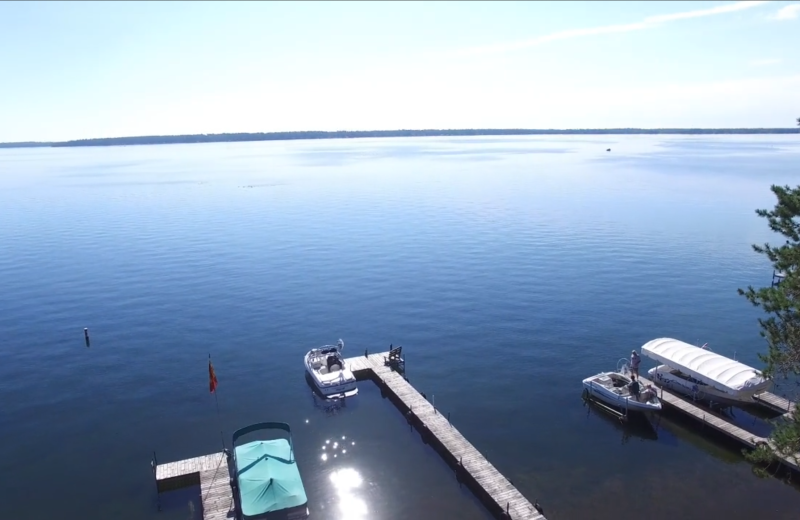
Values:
[(102, 69)]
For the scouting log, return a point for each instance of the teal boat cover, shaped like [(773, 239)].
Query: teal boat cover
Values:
[(268, 477)]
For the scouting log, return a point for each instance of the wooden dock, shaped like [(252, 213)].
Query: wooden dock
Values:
[(775, 403), (499, 495), (722, 423), (496, 491), (210, 472)]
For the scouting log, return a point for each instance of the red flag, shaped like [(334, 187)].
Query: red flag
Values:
[(212, 377)]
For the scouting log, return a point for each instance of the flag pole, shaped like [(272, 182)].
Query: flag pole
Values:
[(213, 388)]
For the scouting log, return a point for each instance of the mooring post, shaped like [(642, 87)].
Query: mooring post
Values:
[(366, 352), (86, 335)]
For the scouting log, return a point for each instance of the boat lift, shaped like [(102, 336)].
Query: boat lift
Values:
[(588, 399)]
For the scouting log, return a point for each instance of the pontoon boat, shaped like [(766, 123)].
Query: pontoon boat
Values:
[(267, 483), (699, 373)]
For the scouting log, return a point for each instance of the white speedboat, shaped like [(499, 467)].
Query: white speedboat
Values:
[(612, 389), (701, 374), (329, 372)]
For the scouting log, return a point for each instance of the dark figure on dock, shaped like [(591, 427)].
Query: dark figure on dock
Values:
[(635, 360), (633, 387)]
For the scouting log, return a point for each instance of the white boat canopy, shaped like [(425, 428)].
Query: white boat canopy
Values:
[(715, 370)]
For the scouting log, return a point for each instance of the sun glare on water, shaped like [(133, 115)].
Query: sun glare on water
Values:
[(346, 481)]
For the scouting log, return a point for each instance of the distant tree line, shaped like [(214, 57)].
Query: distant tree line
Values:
[(345, 134), (27, 144)]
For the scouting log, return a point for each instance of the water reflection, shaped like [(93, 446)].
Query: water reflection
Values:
[(329, 449), (331, 406), (637, 425), (346, 482)]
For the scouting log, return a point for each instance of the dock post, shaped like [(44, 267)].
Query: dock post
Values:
[(366, 352), (86, 335), (154, 465)]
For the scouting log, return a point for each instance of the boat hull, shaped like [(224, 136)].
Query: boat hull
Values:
[(332, 386), (598, 388), (675, 381)]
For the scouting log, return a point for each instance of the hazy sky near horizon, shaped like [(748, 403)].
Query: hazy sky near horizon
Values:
[(104, 69)]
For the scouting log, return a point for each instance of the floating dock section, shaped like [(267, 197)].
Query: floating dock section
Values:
[(775, 403), (723, 424), (497, 493)]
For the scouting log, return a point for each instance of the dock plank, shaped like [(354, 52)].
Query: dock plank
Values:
[(216, 493)]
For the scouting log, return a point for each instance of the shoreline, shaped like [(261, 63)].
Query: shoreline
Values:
[(364, 134)]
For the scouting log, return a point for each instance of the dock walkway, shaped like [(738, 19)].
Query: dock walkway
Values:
[(775, 402), (495, 490), (210, 472), (722, 423)]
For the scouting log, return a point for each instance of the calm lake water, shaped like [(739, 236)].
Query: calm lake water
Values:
[(508, 268)]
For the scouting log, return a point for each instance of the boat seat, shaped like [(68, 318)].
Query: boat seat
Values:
[(335, 368), (605, 381), (323, 370)]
